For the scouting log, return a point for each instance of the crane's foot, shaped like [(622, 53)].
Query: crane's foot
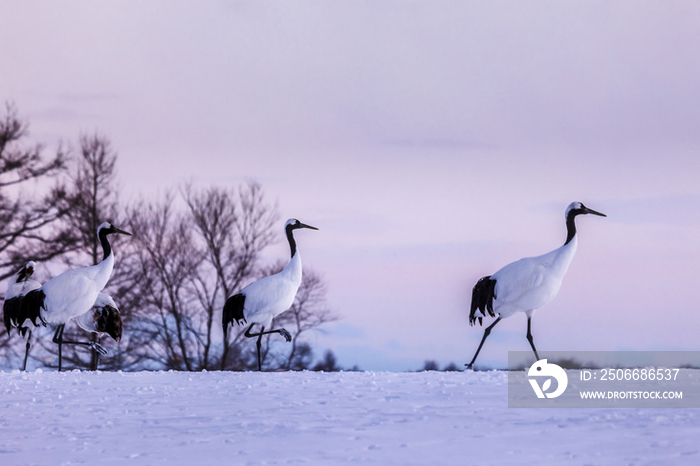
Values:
[(287, 336), (468, 367), (99, 348)]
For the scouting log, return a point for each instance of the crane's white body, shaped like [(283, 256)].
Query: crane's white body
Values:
[(530, 283), (74, 292), (88, 320), (272, 295)]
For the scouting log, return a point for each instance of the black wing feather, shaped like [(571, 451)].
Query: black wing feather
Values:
[(31, 306), (483, 295), (233, 310), (16, 310), (10, 311)]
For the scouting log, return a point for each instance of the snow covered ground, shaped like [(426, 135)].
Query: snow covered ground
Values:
[(212, 418)]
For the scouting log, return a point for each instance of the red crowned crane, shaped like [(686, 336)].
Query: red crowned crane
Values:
[(17, 287), (261, 301), (527, 284), (72, 293)]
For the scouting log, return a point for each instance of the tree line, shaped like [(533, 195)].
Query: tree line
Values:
[(190, 250)]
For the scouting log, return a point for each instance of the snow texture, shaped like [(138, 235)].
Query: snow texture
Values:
[(229, 418)]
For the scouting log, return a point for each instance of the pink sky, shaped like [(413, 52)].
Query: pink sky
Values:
[(431, 143)]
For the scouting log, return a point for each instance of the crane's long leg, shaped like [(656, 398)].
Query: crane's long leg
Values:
[(486, 333), (95, 355), (58, 339), (529, 338), (90, 344), (287, 336), (281, 331), (258, 343), (26, 351)]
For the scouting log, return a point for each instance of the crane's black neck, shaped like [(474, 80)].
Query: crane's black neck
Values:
[(106, 248), (290, 237), (571, 225)]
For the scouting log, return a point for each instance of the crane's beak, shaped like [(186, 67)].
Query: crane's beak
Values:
[(591, 211), (301, 225), (121, 232)]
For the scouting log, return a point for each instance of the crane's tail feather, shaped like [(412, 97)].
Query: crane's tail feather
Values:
[(32, 304), (233, 310), (20, 308), (483, 295), (10, 311)]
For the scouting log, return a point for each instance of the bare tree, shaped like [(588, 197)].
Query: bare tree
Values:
[(28, 216), (27, 224), (430, 365), (233, 227), (303, 357), (93, 193), (328, 364), (170, 325)]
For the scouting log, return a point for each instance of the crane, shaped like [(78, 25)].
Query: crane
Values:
[(261, 301), (527, 284), (73, 292), (17, 287)]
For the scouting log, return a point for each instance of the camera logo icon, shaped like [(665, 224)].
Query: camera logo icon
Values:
[(544, 369)]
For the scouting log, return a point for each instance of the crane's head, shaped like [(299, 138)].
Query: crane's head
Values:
[(108, 228), (293, 224), (114, 325), (576, 208), (26, 271), (108, 320)]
